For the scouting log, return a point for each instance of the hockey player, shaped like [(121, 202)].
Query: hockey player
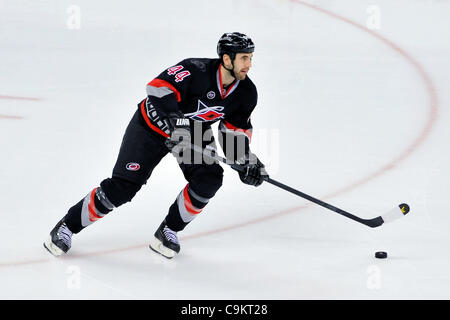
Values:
[(181, 104)]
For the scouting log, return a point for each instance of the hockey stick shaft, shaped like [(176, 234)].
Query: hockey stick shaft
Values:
[(375, 222), (371, 223)]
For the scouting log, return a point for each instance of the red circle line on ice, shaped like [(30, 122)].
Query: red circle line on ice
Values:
[(13, 117), (409, 149)]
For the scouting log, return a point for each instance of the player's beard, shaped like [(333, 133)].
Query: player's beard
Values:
[(240, 75)]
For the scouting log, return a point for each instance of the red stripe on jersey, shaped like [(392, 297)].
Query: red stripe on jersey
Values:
[(248, 132), (158, 83), (149, 123)]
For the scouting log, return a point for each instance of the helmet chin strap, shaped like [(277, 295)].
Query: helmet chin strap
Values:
[(230, 71)]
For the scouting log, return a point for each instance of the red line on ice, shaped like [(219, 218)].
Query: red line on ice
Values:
[(3, 116), (19, 98), (432, 116)]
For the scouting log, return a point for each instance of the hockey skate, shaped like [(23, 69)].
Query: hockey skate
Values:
[(59, 240), (165, 242)]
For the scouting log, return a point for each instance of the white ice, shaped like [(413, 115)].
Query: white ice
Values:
[(355, 119)]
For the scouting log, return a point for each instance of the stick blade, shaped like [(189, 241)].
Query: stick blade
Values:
[(396, 213)]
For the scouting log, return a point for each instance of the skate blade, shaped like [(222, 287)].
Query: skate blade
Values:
[(54, 250), (157, 246)]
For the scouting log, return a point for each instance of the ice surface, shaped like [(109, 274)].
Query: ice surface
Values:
[(344, 115)]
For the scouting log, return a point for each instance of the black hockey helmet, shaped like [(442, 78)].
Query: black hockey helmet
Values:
[(235, 42)]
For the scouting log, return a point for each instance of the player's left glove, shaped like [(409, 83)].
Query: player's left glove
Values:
[(254, 172)]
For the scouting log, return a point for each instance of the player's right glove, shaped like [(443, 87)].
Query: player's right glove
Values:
[(180, 133), (254, 172)]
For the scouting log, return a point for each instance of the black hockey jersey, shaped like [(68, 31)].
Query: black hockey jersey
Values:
[(193, 87)]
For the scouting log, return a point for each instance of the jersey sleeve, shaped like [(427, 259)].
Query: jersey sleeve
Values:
[(170, 87), (235, 131)]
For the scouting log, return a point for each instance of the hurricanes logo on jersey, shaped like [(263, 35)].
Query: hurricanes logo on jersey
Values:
[(205, 113), (133, 166)]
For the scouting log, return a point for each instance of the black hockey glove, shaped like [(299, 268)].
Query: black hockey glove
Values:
[(180, 133), (254, 171)]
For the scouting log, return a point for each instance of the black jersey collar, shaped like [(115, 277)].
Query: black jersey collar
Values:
[(225, 93)]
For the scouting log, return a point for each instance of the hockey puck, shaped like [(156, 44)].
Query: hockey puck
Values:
[(381, 255)]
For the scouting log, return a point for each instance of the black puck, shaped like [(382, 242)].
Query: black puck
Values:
[(381, 255)]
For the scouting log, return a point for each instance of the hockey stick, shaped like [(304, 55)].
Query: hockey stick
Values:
[(390, 216)]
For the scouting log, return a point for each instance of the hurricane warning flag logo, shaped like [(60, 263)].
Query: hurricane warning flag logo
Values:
[(205, 113)]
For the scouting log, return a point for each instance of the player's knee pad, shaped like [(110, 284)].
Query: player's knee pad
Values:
[(205, 180), (119, 191)]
